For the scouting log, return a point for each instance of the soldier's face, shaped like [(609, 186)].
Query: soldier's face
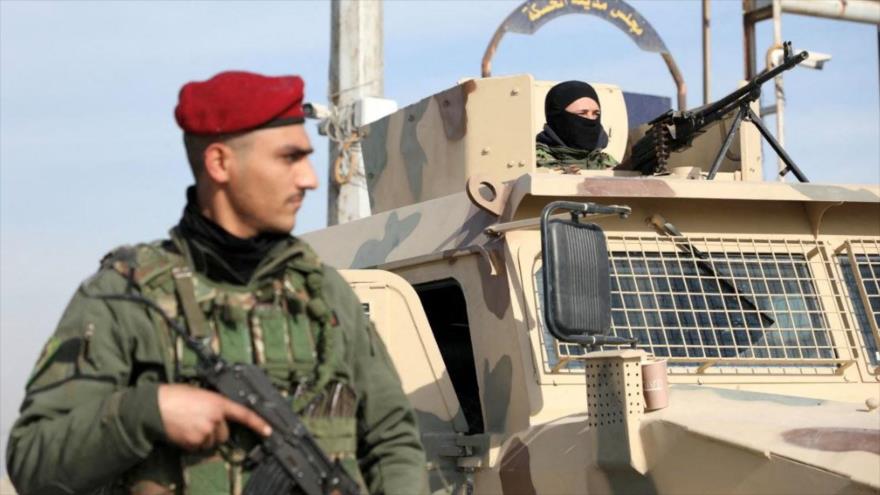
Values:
[(270, 177), (584, 107)]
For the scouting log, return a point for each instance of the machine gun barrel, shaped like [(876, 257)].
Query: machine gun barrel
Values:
[(755, 83), (674, 131)]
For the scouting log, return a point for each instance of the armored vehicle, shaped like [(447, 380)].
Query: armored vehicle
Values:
[(758, 302)]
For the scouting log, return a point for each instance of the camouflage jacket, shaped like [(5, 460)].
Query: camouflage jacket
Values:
[(90, 421), (561, 157)]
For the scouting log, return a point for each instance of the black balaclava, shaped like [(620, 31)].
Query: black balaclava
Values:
[(573, 130), (218, 254)]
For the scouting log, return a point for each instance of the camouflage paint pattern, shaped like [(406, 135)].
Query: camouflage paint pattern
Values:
[(450, 224), (414, 157), (798, 430), (435, 227)]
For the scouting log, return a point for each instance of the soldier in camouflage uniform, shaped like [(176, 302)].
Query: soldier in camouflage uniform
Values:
[(113, 405), (573, 137)]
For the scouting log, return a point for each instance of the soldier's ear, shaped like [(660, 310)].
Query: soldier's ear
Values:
[(218, 159)]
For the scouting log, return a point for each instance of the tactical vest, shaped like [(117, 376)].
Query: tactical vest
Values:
[(282, 324), (570, 160)]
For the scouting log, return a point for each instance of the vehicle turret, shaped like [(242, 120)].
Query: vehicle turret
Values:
[(486, 128)]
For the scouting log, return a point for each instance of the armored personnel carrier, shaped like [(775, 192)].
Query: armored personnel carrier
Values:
[(758, 302)]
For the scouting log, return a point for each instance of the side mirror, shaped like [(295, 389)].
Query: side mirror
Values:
[(577, 294)]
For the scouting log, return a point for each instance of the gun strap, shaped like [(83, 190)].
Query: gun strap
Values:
[(195, 319)]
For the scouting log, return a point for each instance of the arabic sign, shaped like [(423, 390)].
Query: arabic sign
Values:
[(532, 14)]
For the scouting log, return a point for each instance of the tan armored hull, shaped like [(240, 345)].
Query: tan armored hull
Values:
[(770, 335)]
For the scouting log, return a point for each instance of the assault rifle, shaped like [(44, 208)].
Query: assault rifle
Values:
[(674, 130), (288, 458)]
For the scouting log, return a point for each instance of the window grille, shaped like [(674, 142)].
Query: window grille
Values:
[(860, 267), (741, 302)]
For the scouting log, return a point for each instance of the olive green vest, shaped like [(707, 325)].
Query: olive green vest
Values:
[(279, 322)]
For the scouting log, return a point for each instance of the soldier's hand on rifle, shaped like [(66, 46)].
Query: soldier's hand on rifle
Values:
[(196, 419)]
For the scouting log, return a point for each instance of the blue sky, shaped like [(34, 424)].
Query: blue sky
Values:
[(90, 156)]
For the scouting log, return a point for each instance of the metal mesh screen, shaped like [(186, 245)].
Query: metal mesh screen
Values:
[(860, 266), (558, 355), (719, 301)]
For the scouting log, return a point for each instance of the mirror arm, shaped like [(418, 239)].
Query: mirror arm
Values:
[(578, 210), (593, 341)]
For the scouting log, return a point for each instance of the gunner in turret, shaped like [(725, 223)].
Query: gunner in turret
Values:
[(573, 137)]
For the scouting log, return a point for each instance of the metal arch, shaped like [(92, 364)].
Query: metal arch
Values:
[(531, 15)]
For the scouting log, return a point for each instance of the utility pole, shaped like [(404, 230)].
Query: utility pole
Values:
[(707, 52), (778, 89), (356, 67)]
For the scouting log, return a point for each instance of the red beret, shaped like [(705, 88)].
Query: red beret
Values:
[(238, 101)]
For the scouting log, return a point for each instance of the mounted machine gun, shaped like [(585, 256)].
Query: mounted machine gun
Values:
[(676, 130)]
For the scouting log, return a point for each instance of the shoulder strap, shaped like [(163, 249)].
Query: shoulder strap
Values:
[(297, 255), (186, 291)]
